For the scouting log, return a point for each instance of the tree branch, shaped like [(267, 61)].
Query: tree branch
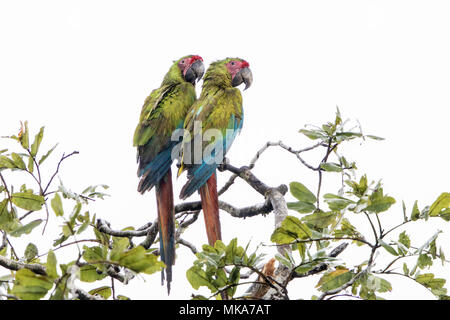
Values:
[(15, 266)]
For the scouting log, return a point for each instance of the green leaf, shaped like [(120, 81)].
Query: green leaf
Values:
[(347, 135), (18, 161), (359, 189), (334, 279), (428, 280), (404, 239), (428, 242), (30, 286), (49, 152), (415, 214), (347, 229), (442, 256), (23, 138), (57, 205), (405, 218), (291, 229), (230, 252), (284, 261), (197, 277), (28, 201), (140, 260), (441, 203), (233, 279), (90, 273), (374, 137), (37, 142), (282, 236), (331, 167), (119, 247), (378, 202), (26, 229), (388, 248), (93, 254), (6, 162), (336, 203), (30, 164), (301, 206), (424, 261), (8, 220), (83, 227), (31, 252), (104, 292), (320, 219), (51, 265), (405, 269), (378, 284), (313, 134), (302, 193)]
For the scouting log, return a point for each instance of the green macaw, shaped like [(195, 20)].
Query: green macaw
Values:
[(163, 112), (218, 113)]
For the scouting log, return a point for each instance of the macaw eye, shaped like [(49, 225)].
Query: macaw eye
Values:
[(182, 61), (232, 63)]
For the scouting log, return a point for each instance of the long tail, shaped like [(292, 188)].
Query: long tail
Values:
[(166, 216), (210, 206)]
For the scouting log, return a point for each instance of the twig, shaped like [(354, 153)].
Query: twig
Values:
[(188, 245), (4, 241), (322, 266), (371, 224), (64, 157), (231, 180)]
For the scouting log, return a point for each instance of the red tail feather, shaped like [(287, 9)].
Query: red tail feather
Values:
[(166, 216), (210, 206)]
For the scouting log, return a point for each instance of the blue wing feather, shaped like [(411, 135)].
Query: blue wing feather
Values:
[(156, 169), (198, 174)]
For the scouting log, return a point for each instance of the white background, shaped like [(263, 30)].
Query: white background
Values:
[(84, 68)]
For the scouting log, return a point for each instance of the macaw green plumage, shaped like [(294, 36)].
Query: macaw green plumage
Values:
[(163, 112), (220, 108)]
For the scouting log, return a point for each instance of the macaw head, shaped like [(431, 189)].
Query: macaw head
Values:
[(229, 72), (240, 72), (191, 68)]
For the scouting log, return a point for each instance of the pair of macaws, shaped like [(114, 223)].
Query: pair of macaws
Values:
[(173, 106)]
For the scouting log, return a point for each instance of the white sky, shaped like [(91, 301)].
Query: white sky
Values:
[(84, 68)]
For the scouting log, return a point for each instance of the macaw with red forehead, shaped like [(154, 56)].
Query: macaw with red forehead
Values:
[(217, 113), (163, 112)]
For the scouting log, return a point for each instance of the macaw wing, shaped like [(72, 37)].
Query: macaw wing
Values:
[(162, 113), (213, 155), (150, 113)]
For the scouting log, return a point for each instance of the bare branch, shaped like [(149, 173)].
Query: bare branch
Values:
[(103, 226), (322, 266), (83, 295), (187, 244), (15, 266), (64, 157)]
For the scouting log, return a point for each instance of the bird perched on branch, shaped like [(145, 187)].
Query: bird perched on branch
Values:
[(210, 128), (163, 112)]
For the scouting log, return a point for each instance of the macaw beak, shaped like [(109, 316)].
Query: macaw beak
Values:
[(195, 72), (245, 76)]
